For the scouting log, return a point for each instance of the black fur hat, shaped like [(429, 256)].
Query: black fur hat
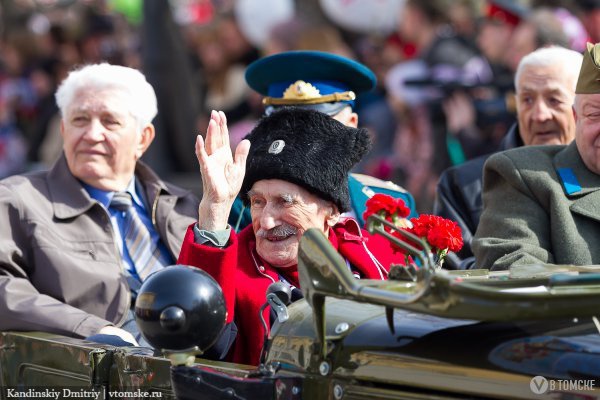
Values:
[(307, 148)]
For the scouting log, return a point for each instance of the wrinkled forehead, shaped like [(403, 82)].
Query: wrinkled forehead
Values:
[(280, 189), (587, 102), (546, 78), (113, 100)]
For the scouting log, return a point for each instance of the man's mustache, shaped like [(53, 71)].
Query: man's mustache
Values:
[(281, 231)]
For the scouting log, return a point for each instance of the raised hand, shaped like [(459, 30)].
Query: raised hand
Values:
[(222, 172)]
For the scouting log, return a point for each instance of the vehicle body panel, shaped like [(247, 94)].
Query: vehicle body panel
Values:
[(428, 334)]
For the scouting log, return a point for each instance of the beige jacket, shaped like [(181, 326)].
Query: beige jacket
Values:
[(60, 267), (531, 215)]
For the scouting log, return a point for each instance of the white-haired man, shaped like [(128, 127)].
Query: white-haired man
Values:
[(541, 203), (77, 241), (545, 89)]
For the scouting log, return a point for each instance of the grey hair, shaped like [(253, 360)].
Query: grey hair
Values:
[(552, 55), (142, 102)]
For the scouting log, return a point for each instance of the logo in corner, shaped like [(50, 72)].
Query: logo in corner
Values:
[(538, 385)]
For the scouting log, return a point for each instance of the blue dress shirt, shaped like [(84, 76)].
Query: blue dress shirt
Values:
[(116, 218)]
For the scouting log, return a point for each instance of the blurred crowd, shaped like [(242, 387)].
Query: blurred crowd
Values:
[(444, 68)]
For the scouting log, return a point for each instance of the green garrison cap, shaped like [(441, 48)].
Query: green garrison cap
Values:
[(589, 75)]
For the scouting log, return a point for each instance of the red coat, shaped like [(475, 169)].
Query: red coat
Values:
[(245, 277)]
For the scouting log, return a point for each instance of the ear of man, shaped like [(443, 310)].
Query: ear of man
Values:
[(334, 216), (353, 120), (62, 129), (144, 140), (347, 117)]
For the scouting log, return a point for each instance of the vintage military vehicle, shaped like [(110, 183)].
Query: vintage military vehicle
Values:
[(531, 332)]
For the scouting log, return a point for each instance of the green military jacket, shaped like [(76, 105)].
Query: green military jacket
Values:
[(541, 205)]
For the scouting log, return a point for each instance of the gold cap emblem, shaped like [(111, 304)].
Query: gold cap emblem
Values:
[(301, 90), (302, 93)]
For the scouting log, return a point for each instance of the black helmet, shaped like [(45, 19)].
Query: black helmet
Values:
[(180, 307)]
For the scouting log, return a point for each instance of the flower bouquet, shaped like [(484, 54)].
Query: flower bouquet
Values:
[(427, 234)]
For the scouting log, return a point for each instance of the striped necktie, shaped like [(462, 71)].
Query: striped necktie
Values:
[(146, 256)]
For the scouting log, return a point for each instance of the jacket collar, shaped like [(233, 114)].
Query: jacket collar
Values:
[(586, 200), (67, 194), (347, 230), (512, 139), (70, 199), (153, 186), (569, 158)]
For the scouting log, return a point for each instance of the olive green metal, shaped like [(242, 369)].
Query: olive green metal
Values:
[(316, 346), (137, 370), (100, 362), (48, 361), (41, 359), (494, 297), (323, 272), (375, 225), (371, 371)]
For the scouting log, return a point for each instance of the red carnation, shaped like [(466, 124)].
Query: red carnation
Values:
[(387, 206), (423, 224), (441, 234), (445, 235)]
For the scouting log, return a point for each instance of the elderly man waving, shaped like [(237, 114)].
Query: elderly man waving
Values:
[(295, 179)]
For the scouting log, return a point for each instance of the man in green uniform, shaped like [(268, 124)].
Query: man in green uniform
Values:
[(327, 83), (542, 203)]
